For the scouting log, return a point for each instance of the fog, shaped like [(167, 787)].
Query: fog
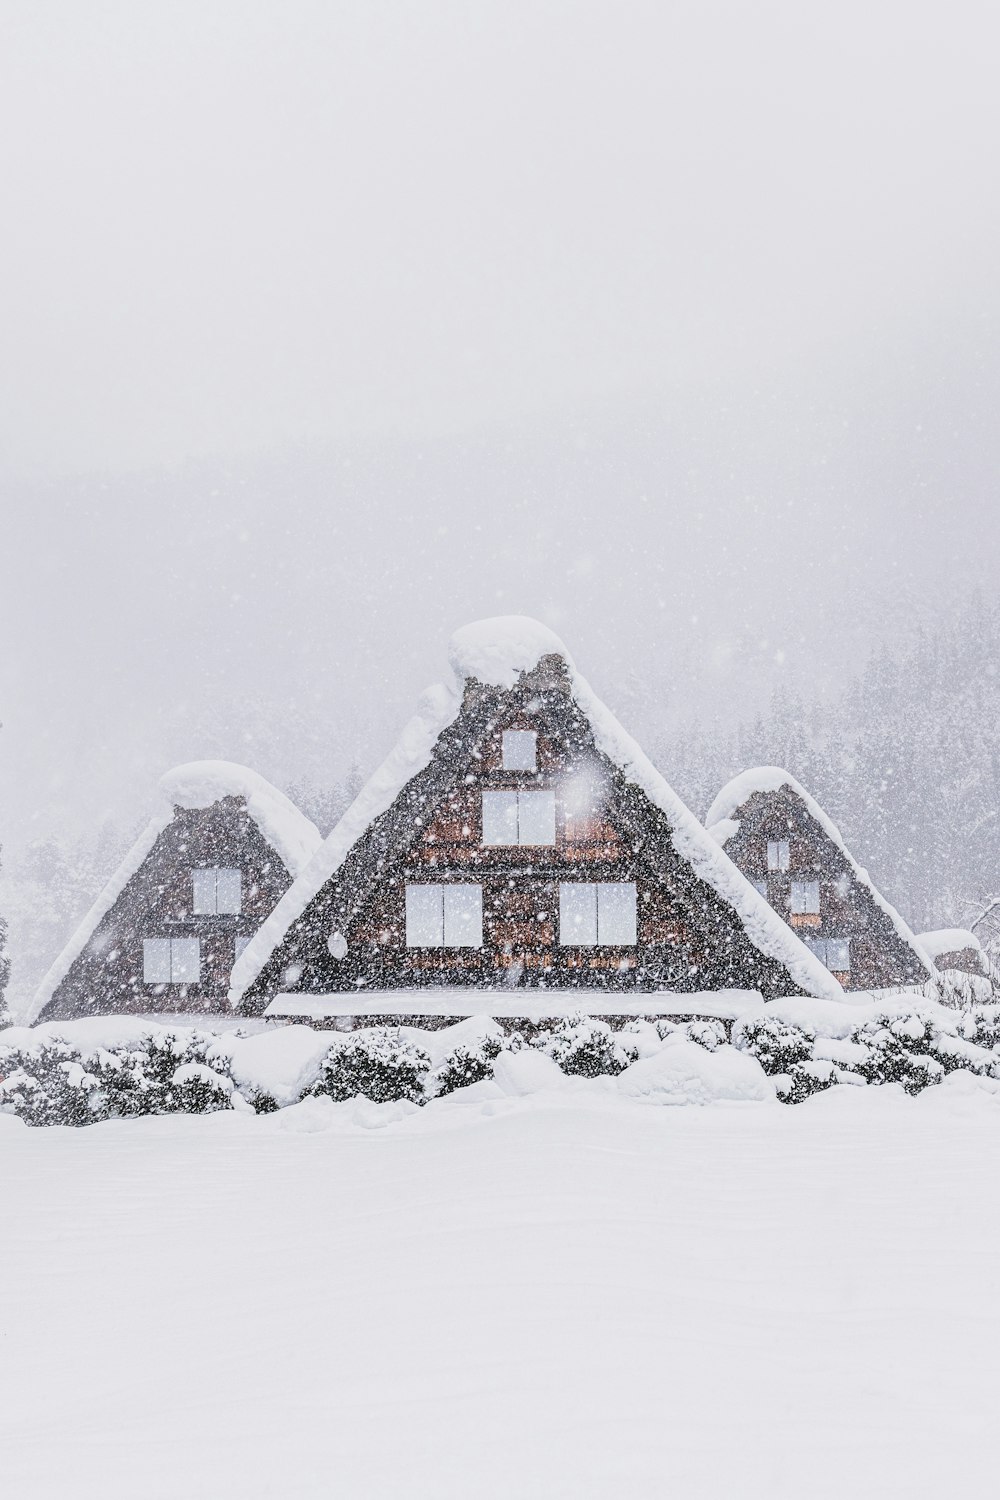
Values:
[(326, 328)]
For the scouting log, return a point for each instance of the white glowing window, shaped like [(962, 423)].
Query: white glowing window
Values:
[(597, 914), (838, 955), (761, 887), (216, 892), (171, 961), (444, 916), (519, 818), (777, 854), (805, 898), (520, 750)]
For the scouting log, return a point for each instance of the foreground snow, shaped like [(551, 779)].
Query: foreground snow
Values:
[(554, 1293)]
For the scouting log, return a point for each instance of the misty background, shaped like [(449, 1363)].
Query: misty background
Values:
[(326, 328)]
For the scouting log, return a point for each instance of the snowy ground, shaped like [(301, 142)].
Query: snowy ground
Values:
[(564, 1295)]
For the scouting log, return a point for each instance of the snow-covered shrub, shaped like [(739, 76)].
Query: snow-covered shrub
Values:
[(803, 1079), (777, 1046), (708, 1034), (900, 1049), (981, 1026), (381, 1064), (48, 1085), (584, 1046), (469, 1062), (167, 1072)]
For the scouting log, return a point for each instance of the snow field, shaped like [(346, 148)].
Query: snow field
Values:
[(561, 1294)]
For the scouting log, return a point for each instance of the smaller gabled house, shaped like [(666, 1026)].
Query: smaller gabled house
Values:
[(517, 839), (955, 949), (784, 842), (221, 850)]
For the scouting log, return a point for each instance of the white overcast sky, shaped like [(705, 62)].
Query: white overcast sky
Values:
[(325, 327)]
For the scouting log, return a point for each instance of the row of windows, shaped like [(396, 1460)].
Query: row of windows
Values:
[(803, 896), (590, 914), (176, 960)]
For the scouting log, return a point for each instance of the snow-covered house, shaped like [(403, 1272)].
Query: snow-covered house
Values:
[(955, 948), (221, 849), (791, 850), (517, 837)]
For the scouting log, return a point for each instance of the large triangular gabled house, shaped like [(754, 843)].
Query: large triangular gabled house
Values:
[(785, 843), (517, 838), (220, 851)]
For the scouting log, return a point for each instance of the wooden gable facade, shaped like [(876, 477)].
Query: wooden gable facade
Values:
[(776, 836), (168, 940), (519, 856)]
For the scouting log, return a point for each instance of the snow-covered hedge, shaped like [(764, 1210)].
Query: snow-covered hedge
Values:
[(81, 1072)]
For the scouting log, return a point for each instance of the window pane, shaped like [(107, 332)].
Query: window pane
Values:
[(761, 887), (156, 961), (805, 897), (577, 913), (499, 817), (227, 892), (777, 854), (817, 946), (520, 750), (838, 955), (185, 960), (241, 944), (203, 892), (424, 916), (463, 916), (616, 912), (536, 817)]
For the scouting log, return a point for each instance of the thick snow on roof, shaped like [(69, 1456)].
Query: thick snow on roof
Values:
[(949, 940), (501, 650), (722, 823), (199, 784), (516, 1004), (498, 651), (289, 832)]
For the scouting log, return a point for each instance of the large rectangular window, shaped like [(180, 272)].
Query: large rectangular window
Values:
[(520, 750), (444, 916), (216, 892), (835, 953), (597, 914), (778, 854), (519, 818), (171, 961), (804, 898)]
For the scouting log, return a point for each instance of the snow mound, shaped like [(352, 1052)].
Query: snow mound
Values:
[(283, 1063), (684, 1073), (203, 782), (500, 650), (527, 1072), (722, 823)]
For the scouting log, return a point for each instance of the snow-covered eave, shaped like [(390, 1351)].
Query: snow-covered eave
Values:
[(132, 862), (722, 824), (470, 649)]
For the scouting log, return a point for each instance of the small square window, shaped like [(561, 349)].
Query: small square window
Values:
[(805, 898), (601, 914), (444, 916), (778, 854), (520, 750), (838, 955), (171, 961), (216, 892)]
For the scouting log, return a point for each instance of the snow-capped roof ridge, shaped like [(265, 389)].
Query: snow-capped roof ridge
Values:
[(197, 784), (498, 652), (722, 823), (949, 940), (289, 832)]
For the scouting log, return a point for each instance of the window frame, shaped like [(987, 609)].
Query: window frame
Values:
[(578, 893), (501, 811), (782, 857), (795, 896), (209, 881), (510, 761), (443, 912)]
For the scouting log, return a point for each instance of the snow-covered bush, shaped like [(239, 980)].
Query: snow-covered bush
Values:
[(777, 1046), (803, 1079), (167, 1072), (381, 1064), (981, 1026), (469, 1062), (584, 1046), (48, 1085), (708, 1034), (900, 1049)]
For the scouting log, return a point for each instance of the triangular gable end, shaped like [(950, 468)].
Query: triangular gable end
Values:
[(221, 849), (785, 843), (518, 837)]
